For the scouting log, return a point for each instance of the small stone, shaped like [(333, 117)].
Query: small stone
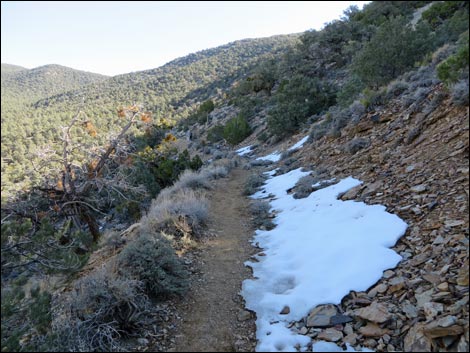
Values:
[(444, 269), (351, 194), (432, 205), (444, 286), (433, 330), (462, 277), (395, 284), (419, 188), (372, 330), (410, 311), (442, 296), (448, 340), (453, 223), (285, 310), (381, 288), (371, 343), (447, 321), (458, 305), (375, 312), (372, 188), (416, 341), (439, 240), (388, 274), (340, 319), (348, 329), (433, 277), (431, 309), (303, 330), (330, 335), (321, 316), (424, 297), (243, 315), (462, 346), (351, 339), (143, 341)]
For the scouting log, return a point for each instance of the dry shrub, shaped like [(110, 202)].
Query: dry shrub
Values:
[(169, 207), (100, 308), (152, 260)]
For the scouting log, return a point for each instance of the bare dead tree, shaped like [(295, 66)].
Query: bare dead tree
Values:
[(77, 191)]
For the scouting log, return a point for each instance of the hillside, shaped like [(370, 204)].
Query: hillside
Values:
[(28, 86), (416, 165), (333, 163), (46, 97), (9, 69), (170, 89)]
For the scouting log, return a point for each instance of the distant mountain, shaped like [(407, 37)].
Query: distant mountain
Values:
[(8, 69), (162, 90), (29, 85)]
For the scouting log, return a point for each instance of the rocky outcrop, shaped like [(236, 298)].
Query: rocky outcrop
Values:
[(416, 164)]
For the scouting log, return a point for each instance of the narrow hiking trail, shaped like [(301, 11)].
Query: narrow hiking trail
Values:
[(213, 315)]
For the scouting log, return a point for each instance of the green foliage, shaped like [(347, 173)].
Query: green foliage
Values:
[(236, 130), (393, 49), (152, 260), (370, 98), (263, 78), (32, 116), (22, 315), (195, 163), (263, 137), (45, 247), (377, 13), (216, 133), (451, 70), (30, 85), (203, 111), (165, 165), (129, 210), (441, 11), (297, 99), (206, 107), (350, 91)]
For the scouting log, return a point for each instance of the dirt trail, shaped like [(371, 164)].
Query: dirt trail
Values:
[(211, 312)]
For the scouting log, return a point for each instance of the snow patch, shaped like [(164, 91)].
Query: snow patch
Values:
[(244, 150), (299, 144), (321, 249), (273, 157), (323, 346)]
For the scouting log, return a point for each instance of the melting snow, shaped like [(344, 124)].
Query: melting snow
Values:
[(244, 150), (299, 144), (273, 157), (321, 249), (322, 346)]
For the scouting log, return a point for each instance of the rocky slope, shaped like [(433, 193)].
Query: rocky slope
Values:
[(415, 162)]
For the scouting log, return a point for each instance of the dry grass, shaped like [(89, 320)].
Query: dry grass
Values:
[(181, 205)]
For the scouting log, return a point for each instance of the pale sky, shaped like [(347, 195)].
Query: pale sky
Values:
[(122, 36)]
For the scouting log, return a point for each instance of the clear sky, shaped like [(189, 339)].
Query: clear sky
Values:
[(117, 37)]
